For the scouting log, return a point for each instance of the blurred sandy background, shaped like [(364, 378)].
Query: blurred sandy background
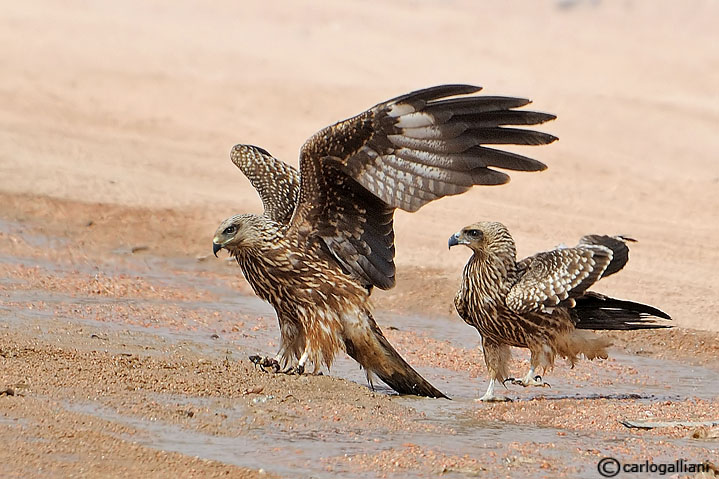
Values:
[(137, 103)]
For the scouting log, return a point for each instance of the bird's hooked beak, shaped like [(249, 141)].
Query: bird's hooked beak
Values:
[(215, 248), (453, 240)]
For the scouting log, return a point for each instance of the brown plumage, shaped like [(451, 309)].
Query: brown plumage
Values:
[(277, 183), (541, 302), (326, 236)]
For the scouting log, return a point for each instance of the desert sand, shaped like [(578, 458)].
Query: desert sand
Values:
[(123, 344)]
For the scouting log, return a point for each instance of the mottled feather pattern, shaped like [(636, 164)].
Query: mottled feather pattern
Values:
[(326, 237), (277, 183), (546, 279), (404, 153), (437, 152), (530, 303), (301, 286)]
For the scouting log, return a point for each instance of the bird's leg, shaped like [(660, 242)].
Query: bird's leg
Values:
[(496, 357), (301, 364), (489, 395), (300, 368)]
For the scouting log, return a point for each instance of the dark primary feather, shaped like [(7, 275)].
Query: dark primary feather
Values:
[(404, 153), (596, 311), (618, 245), (365, 245)]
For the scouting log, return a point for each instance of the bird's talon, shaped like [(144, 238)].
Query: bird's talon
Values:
[(538, 381), (264, 362), (256, 360), (294, 370)]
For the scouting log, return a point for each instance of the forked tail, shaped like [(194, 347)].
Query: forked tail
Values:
[(366, 344)]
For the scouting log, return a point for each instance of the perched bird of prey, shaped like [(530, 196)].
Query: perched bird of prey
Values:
[(542, 302), (326, 237)]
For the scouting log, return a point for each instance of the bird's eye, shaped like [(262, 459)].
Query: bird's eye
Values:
[(229, 230), (474, 233)]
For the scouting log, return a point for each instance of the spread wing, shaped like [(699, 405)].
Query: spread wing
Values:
[(404, 153), (277, 183), (550, 278)]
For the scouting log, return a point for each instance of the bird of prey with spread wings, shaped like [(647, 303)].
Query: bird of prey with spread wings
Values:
[(541, 302), (326, 237)]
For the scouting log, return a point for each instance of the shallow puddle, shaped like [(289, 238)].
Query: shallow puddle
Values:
[(304, 455)]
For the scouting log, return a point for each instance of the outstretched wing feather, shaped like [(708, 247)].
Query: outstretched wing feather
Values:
[(404, 153)]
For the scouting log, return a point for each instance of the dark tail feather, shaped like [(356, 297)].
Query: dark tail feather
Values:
[(596, 311), (377, 356)]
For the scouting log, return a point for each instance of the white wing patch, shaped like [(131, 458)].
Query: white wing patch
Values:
[(400, 109), (415, 120)]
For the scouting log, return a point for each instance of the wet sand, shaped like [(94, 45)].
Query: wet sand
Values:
[(124, 343)]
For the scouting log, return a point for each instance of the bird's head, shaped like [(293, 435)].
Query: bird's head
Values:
[(239, 232), (482, 237)]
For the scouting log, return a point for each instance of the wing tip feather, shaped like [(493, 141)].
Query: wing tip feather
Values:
[(437, 91)]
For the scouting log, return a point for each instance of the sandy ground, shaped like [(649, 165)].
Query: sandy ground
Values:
[(123, 346)]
